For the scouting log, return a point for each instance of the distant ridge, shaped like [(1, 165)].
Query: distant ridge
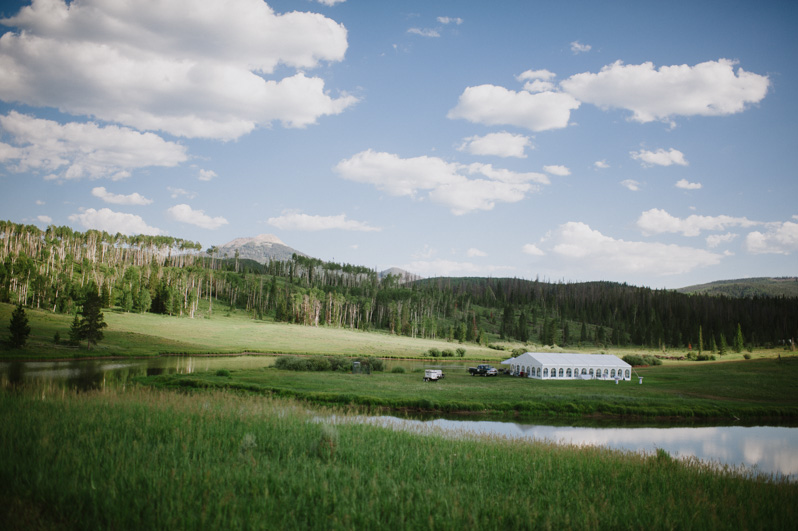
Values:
[(747, 287), (261, 248), (404, 276)]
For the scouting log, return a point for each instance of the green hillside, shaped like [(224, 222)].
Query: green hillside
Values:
[(747, 287)]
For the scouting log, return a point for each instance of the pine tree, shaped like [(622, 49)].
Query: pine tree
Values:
[(19, 327), (92, 323), (74, 331), (739, 343)]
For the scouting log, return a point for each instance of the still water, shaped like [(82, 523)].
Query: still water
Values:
[(766, 449)]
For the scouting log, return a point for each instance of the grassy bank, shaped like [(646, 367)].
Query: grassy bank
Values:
[(753, 389), (149, 459)]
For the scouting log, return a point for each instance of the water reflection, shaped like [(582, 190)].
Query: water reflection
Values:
[(766, 449)]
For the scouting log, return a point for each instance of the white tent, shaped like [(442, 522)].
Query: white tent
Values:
[(556, 366)]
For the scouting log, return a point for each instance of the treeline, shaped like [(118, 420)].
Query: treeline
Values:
[(53, 268)]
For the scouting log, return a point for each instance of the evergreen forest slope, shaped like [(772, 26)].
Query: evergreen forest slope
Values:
[(748, 287), (53, 269)]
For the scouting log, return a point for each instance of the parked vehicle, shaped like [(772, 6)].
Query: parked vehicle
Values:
[(433, 375), (483, 370)]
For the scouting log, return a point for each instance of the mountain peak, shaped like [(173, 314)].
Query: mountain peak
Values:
[(261, 248), (260, 239)]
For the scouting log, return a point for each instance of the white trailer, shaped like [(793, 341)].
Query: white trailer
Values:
[(433, 375)]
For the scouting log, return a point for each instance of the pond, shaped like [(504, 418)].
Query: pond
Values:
[(769, 449)]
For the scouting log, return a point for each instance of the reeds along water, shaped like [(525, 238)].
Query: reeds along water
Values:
[(143, 458)]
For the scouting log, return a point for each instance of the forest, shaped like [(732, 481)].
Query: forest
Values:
[(53, 269)]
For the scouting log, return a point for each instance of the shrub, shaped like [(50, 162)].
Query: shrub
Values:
[(447, 353), (747, 356), (223, 372), (434, 352), (461, 352), (398, 370)]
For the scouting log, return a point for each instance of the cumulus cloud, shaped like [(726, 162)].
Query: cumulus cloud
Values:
[(77, 150), (712, 88), (185, 214), (120, 199), (532, 249), (494, 105), (780, 238), (658, 221), (659, 157), (112, 222), (450, 268), (555, 169), (578, 47), (501, 144), (44, 219), (537, 80), (206, 175), (180, 192), (424, 32), (684, 184), (197, 69), (472, 252), (330, 2), (714, 240), (462, 188), (601, 165), (291, 220), (631, 184), (450, 20), (577, 242)]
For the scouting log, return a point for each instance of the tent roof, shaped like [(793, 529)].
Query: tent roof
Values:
[(570, 360)]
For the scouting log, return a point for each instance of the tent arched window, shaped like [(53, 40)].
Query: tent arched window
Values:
[(538, 372), (561, 372), (612, 373), (545, 373), (527, 371), (591, 373), (568, 373), (628, 374), (584, 371), (605, 373)]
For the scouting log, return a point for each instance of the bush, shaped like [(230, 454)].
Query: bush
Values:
[(461, 352), (447, 353), (747, 356), (223, 372), (398, 370), (637, 361), (434, 352)]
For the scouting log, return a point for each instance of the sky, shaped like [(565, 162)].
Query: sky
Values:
[(652, 143)]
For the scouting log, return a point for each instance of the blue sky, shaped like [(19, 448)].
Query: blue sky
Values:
[(642, 142)]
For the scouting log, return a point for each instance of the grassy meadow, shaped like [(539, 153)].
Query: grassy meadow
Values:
[(150, 459), (752, 389)]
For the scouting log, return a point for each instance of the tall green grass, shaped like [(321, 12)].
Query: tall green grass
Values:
[(148, 459)]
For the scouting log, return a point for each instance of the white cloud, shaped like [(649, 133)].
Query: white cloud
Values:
[(684, 184), (119, 199), (712, 88), (658, 221), (450, 20), (194, 69), (426, 32), (207, 175), (472, 252), (291, 220), (532, 249), (112, 222), (447, 183), (330, 2), (501, 144), (76, 150), (578, 47), (537, 80), (561, 171), (185, 214), (780, 238), (494, 105), (576, 242), (714, 240), (39, 202), (659, 157), (631, 184), (180, 192), (44, 219), (601, 165), (449, 268)]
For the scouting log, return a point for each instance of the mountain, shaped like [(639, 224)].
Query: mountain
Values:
[(261, 248), (404, 276), (748, 287)]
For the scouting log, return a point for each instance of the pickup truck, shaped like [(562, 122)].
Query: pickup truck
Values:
[(483, 370)]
